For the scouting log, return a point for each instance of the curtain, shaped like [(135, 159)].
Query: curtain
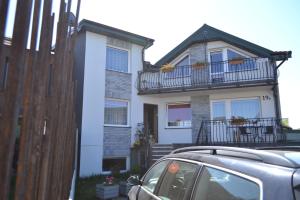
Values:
[(116, 59), (115, 112), (245, 108)]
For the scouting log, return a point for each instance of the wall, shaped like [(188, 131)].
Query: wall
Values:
[(93, 105), (200, 111)]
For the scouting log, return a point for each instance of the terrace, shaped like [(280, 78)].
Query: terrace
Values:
[(204, 76)]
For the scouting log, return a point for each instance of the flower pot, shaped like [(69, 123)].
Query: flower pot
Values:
[(124, 188), (107, 191), (199, 65), (167, 68), (236, 61)]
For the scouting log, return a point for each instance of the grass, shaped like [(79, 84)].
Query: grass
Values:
[(86, 187)]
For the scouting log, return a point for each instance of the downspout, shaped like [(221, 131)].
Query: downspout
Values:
[(275, 90)]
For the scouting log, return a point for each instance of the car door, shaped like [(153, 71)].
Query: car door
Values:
[(150, 182)]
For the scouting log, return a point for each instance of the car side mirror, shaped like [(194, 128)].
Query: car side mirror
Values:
[(134, 180)]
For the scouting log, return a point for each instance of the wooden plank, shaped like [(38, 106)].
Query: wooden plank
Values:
[(46, 157), (12, 95)]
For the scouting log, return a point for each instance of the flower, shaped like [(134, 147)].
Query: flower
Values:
[(167, 68), (109, 180)]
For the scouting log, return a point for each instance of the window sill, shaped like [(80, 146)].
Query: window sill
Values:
[(180, 127), (118, 71), (117, 126)]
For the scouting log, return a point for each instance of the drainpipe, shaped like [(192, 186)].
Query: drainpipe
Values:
[(275, 89)]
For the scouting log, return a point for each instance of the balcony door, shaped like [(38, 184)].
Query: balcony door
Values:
[(216, 67)]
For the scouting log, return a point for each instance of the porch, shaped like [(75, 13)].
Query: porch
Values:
[(241, 132), (216, 75)]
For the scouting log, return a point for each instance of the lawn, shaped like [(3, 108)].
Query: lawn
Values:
[(86, 187)]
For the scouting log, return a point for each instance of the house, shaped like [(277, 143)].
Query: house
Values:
[(213, 88)]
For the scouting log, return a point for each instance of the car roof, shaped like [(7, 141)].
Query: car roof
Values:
[(280, 156)]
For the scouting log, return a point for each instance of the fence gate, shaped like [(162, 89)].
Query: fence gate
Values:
[(37, 89)]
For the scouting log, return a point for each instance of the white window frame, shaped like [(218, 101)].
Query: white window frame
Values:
[(128, 60), (128, 112), (225, 58), (167, 115), (228, 112)]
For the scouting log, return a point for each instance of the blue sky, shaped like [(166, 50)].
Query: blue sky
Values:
[(273, 24)]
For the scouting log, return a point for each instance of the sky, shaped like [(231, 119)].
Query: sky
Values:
[(273, 24)]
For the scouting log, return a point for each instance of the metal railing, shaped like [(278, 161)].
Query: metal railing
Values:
[(219, 74), (241, 132)]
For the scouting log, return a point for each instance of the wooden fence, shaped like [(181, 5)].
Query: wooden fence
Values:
[(37, 100)]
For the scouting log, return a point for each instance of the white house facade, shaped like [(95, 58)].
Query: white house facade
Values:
[(212, 88)]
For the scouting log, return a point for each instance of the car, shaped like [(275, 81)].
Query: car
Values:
[(221, 173)]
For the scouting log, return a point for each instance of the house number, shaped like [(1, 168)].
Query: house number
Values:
[(266, 98)]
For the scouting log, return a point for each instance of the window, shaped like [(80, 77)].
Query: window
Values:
[(216, 59), (248, 64), (116, 112), (177, 181), (109, 164), (182, 69), (116, 59), (152, 177), (218, 110), (246, 108), (179, 115), (216, 184)]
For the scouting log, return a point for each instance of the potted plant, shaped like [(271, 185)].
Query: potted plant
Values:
[(167, 68), (108, 189), (199, 64), (238, 121), (236, 61)]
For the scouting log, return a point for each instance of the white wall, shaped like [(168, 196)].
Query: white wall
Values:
[(165, 135), (137, 108), (93, 105)]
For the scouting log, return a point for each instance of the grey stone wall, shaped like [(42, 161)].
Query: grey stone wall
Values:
[(200, 111), (117, 85), (197, 54), (116, 141)]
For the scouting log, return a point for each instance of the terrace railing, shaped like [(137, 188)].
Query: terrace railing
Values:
[(251, 71), (241, 132)]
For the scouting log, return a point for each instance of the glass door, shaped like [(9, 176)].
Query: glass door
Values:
[(216, 67)]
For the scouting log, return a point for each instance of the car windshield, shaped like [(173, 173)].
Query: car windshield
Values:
[(293, 156)]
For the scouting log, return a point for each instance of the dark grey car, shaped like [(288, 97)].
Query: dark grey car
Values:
[(214, 173)]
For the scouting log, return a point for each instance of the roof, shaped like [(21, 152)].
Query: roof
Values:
[(208, 34), (87, 25), (281, 156)]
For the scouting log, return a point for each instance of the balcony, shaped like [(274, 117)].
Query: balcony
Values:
[(227, 74), (241, 132)]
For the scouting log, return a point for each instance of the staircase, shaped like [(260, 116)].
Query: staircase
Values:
[(159, 150)]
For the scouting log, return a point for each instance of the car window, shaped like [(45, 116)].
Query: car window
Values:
[(216, 184), (151, 178), (177, 180)]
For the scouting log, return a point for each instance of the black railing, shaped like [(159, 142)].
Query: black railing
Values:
[(241, 132), (221, 74)]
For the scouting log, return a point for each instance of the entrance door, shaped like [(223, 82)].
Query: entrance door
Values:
[(216, 67), (150, 122)]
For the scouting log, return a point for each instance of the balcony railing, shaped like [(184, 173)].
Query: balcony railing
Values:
[(241, 132), (253, 71)]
